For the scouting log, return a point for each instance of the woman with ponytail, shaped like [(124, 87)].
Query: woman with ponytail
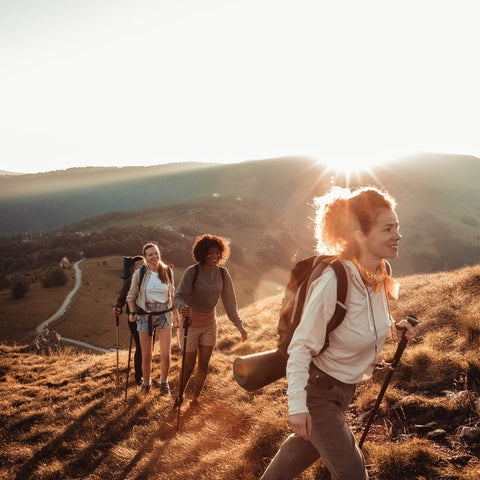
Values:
[(150, 301), (361, 227)]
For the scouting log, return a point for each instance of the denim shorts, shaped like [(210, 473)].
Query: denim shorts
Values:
[(158, 321)]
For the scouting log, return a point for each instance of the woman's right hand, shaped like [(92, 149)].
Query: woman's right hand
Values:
[(301, 424)]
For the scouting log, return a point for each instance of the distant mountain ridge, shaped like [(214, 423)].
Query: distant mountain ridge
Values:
[(46, 202), (5, 172), (438, 197)]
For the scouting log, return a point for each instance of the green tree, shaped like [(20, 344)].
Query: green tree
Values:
[(54, 277), (20, 286)]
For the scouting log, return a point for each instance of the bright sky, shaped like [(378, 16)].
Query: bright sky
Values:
[(145, 82)]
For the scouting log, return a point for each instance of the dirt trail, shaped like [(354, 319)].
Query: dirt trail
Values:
[(63, 308)]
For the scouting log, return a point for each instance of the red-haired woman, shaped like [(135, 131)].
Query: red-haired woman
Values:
[(201, 287), (151, 306), (361, 227)]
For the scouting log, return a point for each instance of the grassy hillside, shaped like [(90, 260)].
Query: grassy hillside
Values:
[(63, 417)]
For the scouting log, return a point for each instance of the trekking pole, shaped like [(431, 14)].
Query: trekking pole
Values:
[(181, 386), (118, 346), (128, 365), (391, 368)]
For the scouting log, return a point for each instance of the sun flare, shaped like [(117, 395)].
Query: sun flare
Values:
[(347, 170), (349, 165)]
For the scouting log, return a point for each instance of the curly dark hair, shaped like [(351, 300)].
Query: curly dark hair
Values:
[(204, 243)]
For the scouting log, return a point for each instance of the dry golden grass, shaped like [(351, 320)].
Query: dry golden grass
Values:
[(62, 417)]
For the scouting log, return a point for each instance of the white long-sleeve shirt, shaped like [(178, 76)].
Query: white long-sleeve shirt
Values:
[(354, 345)]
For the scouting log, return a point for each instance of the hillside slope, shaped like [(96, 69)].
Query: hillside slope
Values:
[(62, 416), (438, 200)]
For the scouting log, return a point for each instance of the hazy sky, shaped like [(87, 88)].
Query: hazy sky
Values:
[(120, 82)]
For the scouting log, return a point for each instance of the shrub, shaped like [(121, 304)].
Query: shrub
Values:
[(54, 277), (20, 286)]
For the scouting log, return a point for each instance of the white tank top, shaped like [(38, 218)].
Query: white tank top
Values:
[(156, 290)]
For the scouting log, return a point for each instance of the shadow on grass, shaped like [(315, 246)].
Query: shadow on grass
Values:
[(148, 446), (86, 461)]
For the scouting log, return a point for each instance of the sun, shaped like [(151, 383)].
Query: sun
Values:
[(346, 170), (350, 165)]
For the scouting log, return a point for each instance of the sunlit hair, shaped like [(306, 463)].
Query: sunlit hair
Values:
[(204, 243), (161, 267), (342, 211)]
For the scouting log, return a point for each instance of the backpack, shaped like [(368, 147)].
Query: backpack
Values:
[(127, 265), (255, 370), (302, 275)]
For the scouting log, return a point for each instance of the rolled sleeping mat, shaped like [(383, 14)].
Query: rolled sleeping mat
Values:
[(256, 370)]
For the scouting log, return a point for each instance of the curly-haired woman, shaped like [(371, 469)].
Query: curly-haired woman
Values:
[(201, 287)]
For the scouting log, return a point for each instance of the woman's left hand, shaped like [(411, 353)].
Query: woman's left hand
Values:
[(244, 334), (405, 328)]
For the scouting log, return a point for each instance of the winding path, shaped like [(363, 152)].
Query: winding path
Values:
[(63, 308)]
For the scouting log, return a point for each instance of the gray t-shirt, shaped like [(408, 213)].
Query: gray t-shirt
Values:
[(209, 287)]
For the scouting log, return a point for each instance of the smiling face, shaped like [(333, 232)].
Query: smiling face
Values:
[(213, 255), (381, 241), (152, 256)]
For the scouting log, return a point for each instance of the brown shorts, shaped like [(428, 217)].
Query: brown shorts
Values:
[(206, 335)]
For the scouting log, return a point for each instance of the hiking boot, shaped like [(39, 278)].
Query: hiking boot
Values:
[(139, 381), (164, 389), (146, 387)]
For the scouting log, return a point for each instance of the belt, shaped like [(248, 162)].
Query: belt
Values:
[(150, 315)]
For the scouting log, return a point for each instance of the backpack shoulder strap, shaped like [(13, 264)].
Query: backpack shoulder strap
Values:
[(143, 271), (170, 273), (196, 270), (340, 306), (222, 273)]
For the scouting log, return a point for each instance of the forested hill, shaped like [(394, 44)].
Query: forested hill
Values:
[(438, 196)]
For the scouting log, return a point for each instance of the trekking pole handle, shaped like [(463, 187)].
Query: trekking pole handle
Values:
[(413, 321)]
